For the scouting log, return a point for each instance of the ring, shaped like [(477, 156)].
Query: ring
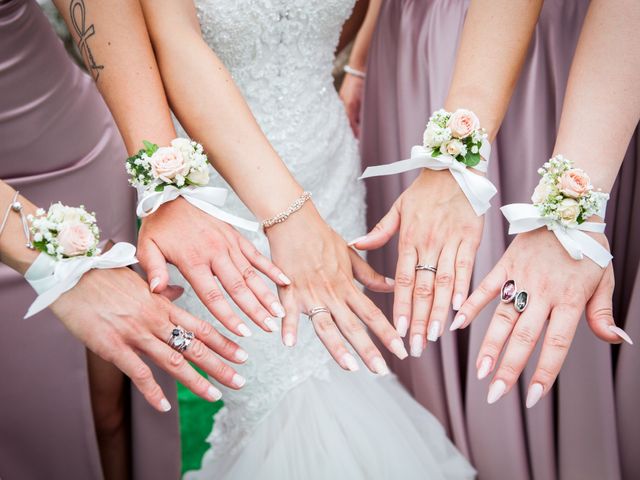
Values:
[(316, 311), (510, 293), (429, 268), (180, 339)]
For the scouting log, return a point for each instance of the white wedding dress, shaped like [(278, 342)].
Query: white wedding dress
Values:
[(299, 416)]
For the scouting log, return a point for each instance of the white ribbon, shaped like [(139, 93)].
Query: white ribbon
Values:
[(478, 189), (50, 277), (207, 199), (524, 217)]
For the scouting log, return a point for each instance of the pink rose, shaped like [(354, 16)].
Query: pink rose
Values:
[(462, 123), (167, 163), (574, 183), (76, 239)]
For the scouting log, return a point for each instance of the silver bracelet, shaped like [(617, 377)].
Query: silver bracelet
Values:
[(16, 206), (281, 217), (354, 72)]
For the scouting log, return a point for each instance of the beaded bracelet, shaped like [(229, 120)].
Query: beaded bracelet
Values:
[(281, 217)]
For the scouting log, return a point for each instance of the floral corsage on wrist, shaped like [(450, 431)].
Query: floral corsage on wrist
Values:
[(563, 201), (162, 174), (452, 141), (67, 238)]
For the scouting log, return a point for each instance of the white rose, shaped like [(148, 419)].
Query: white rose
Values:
[(569, 210), (542, 191), (76, 239), (455, 147), (199, 177), (185, 147), (167, 163)]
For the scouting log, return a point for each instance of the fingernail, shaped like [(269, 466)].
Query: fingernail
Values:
[(380, 366), (278, 309), (621, 333), (238, 380), (241, 355), (389, 281), (271, 324), (496, 390), (214, 394), (485, 367), (535, 394), (154, 284), (244, 330), (350, 362), (165, 406), (356, 240), (457, 322), (284, 279), (434, 331), (457, 301), (416, 345), (397, 347), (402, 325), (289, 340)]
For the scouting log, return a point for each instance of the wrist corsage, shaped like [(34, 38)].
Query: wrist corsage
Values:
[(162, 174), (563, 201), (67, 238), (452, 141)]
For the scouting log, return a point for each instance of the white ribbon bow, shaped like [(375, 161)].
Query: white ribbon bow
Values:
[(207, 199), (50, 277), (524, 217), (478, 190)]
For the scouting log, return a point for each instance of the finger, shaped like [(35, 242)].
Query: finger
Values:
[(599, 312), (205, 332), (500, 327), (171, 293), (423, 293), (292, 317), (262, 263), (204, 284), (373, 317), (465, 259), (520, 347), (381, 233), (142, 377), (154, 264), (403, 296), (444, 280), (199, 354), (488, 289), (330, 336), (557, 340), (367, 276)]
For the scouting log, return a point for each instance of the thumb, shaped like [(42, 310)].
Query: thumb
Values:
[(154, 264), (381, 233), (599, 311)]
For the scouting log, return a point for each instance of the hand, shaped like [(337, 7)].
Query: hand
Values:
[(202, 247), (559, 290), (322, 268), (351, 93), (439, 228), (116, 316)]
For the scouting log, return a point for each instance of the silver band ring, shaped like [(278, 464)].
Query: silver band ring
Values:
[(180, 339), (429, 268), (316, 311), (510, 293)]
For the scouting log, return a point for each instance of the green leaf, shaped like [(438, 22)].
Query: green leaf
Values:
[(160, 188), (436, 153), (151, 148), (472, 159)]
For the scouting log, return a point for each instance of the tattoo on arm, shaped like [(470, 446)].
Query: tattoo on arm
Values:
[(78, 15)]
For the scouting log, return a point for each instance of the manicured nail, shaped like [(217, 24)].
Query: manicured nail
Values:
[(457, 302), (356, 240), (458, 321), (284, 279), (241, 355), (244, 330), (214, 394), (397, 347), (416, 345), (496, 390), (271, 324), (485, 367), (434, 331), (350, 362), (535, 394), (278, 309), (154, 284), (621, 333), (165, 406), (402, 326), (289, 340), (238, 380), (389, 281), (380, 366)]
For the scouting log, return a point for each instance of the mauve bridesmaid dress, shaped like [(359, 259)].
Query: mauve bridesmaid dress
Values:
[(589, 426), (58, 141)]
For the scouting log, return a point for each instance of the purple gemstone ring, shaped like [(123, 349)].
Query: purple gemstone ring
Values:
[(510, 293), (180, 339)]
